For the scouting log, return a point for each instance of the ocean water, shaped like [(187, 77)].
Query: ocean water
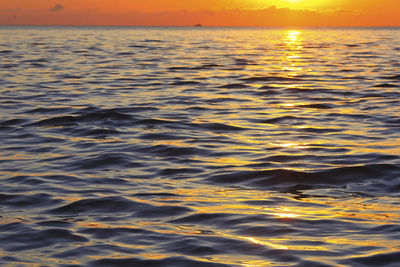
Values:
[(199, 146)]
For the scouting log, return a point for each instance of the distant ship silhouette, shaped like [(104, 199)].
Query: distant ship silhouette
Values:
[(198, 25)]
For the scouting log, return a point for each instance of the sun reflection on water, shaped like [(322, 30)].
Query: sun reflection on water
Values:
[(265, 243), (291, 60)]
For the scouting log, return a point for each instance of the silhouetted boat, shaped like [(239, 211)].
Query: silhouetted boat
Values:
[(198, 25)]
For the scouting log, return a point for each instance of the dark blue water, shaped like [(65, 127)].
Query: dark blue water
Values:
[(199, 147)]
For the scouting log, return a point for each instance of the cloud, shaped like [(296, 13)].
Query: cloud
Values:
[(57, 7)]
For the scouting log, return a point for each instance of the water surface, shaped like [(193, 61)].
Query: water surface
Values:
[(199, 146)]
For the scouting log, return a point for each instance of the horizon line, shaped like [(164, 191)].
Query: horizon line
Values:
[(196, 26)]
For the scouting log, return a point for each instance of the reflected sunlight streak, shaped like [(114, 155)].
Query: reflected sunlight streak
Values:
[(268, 244), (292, 56)]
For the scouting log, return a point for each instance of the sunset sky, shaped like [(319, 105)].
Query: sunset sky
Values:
[(206, 12)]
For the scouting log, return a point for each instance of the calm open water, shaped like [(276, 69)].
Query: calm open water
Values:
[(199, 147)]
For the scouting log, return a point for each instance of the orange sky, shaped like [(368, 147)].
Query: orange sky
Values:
[(206, 12)]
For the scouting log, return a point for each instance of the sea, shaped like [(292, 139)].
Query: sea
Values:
[(199, 146)]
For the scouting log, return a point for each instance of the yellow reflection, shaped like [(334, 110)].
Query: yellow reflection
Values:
[(264, 243), (279, 246), (292, 37), (290, 145), (287, 215), (153, 256), (288, 105), (230, 161), (291, 58)]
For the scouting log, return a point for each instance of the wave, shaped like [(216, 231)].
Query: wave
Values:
[(376, 174)]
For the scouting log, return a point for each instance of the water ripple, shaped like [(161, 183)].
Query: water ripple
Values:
[(199, 147)]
